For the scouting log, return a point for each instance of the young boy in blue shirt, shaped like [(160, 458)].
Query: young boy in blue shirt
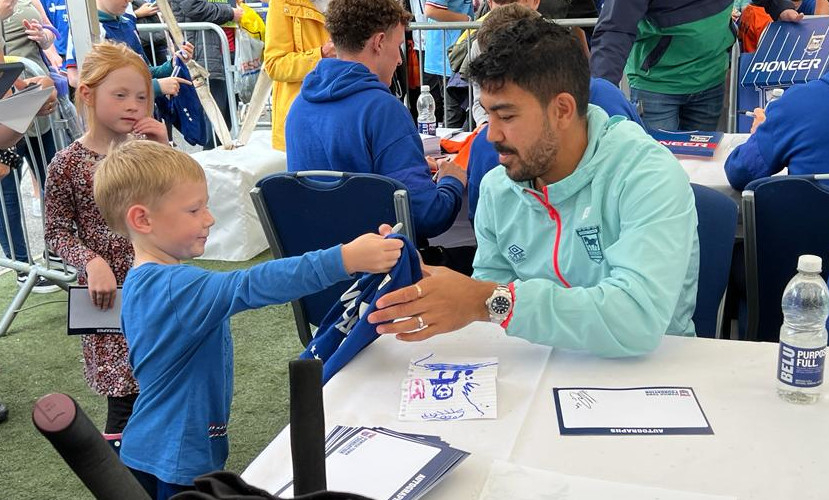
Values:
[(176, 318)]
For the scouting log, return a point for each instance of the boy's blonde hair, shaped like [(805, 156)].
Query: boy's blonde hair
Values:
[(139, 173), (103, 59)]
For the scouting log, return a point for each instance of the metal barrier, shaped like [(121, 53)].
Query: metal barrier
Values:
[(229, 70), (34, 270), (731, 96), (471, 25)]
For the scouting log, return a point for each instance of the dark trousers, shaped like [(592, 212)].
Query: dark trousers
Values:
[(158, 489), (119, 410)]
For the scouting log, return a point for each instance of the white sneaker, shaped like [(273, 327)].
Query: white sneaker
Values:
[(36, 208)]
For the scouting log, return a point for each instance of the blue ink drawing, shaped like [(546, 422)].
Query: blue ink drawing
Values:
[(449, 376), (451, 414)]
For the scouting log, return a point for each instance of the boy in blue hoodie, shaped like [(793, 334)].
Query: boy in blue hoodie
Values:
[(176, 318), (788, 134), (346, 119)]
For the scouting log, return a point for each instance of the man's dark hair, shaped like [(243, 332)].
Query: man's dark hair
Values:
[(500, 17), (539, 56), (352, 22)]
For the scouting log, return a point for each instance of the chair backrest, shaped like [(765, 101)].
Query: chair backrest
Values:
[(717, 224), (784, 217), (313, 210)]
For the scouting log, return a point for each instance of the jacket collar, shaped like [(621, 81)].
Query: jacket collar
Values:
[(303, 9)]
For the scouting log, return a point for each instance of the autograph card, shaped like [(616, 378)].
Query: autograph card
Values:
[(449, 389), (626, 411)]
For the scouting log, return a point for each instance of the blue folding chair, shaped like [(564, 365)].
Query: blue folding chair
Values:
[(312, 210), (717, 224), (784, 217)]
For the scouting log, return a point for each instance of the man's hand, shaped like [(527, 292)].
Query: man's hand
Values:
[(759, 118), (790, 15), (237, 14), (452, 169), (102, 283), (328, 50), (151, 129), (443, 302)]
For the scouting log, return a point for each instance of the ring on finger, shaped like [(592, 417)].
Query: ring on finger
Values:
[(420, 323), (419, 292)]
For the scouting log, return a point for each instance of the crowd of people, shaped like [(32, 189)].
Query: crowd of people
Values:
[(566, 188)]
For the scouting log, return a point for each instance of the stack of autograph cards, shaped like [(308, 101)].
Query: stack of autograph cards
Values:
[(383, 464)]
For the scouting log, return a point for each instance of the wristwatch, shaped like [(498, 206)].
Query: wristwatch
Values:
[(499, 304)]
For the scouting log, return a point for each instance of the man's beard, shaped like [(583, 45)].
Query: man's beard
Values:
[(536, 161)]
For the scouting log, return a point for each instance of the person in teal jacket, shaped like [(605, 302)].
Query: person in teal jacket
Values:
[(587, 238)]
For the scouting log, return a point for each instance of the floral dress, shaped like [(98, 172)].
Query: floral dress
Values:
[(76, 231)]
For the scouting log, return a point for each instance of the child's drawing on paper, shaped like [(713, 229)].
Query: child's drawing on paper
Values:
[(449, 390)]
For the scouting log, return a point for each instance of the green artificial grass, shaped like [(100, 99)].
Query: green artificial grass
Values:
[(37, 358)]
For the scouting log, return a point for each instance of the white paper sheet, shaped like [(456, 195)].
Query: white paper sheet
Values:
[(85, 318), (638, 410), (449, 389), (516, 482), (18, 110)]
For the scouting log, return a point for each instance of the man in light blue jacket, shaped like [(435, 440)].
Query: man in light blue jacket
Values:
[(587, 238)]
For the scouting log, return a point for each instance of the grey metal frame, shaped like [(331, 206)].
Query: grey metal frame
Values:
[(750, 251), (474, 25), (229, 70), (61, 277), (401, 210)]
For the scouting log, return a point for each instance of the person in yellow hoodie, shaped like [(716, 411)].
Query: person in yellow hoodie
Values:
[(295, 41)]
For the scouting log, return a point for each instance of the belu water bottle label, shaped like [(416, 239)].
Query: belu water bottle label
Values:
[(801, 367), (428, 128)]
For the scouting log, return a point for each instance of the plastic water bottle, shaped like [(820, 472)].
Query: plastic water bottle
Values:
[(426, 121), (773, 95), (803, 334), (73, 122)]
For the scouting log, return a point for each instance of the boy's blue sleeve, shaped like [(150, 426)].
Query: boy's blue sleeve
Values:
[(204, 298), (746, 164), (772, 145), (401, 157)]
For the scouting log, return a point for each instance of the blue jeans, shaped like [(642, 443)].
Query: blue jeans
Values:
[(10, 197), (700, 111)]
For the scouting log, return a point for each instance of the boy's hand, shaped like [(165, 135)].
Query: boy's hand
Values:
[(151, 129), (371, 253), (102, 283)]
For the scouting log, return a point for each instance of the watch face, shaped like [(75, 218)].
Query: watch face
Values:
[(500, 305)]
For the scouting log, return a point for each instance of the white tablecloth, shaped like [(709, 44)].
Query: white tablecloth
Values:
[(231, 174), (762, 447), (710, 171)]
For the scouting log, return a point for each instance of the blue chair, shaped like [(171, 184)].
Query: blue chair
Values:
[(784, 217), (717, 216), (312, 210)]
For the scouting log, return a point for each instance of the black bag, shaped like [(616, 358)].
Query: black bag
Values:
[(223, 485)]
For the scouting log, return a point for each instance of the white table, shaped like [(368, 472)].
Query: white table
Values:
[(710, 172), (748, 456), (237, 234)]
